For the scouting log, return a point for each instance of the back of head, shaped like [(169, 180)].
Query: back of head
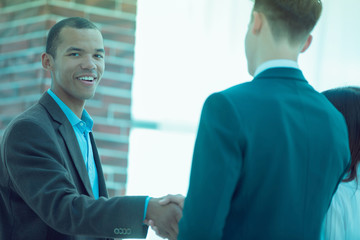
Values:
[(293, 19), (53, 38), (347, 101)]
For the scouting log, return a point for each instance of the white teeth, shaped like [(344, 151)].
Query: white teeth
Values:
[(86, 78)]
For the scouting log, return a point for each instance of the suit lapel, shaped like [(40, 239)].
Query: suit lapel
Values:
[(67, 133), (69, 137)]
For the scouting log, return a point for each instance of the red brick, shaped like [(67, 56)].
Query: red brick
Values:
[(107, 128), (25, 13), (9, 32), (7, 92), (8, 3), (14, 46), (121, 162), (23, 91), (116, 192), (108, 20), (115, 83), (121, 115), (20, 91), (12, 109), (18, 61), (120, 178), (21, 45), (18, 76), (117, 100), (125, 54), (50, 23), (66, 12), (114, 67), (129, 8), (5, 17), (111, 145), (97, 111), (34, 27), (38, 42), (108, 4), (126, 38)]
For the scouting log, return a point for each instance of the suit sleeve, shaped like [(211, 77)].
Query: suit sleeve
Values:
[(216, 167), (38, 175)]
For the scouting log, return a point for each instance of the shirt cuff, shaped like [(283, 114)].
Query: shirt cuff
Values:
[(146, 205)]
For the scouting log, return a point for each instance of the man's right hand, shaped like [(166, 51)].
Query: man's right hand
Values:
[(164, 217)]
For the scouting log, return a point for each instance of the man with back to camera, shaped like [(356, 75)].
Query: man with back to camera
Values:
[(269, 153), (51, 181)]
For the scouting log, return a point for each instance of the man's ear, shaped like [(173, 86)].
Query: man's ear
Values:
[(307, 43), (47, 61), (257, 22)]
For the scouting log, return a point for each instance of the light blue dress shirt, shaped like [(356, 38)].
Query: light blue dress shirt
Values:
[(82, 127)]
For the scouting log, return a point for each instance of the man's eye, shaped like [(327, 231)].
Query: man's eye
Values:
[(99, 56), (74, 54)]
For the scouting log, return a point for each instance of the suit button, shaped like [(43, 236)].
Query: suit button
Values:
[(118, 231), (122, 231)]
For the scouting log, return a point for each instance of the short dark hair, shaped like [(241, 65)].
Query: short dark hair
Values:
[(53, 38), (347, 101), (294, 19)]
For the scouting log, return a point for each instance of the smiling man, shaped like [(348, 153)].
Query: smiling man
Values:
[(76, 64), (51, 181)]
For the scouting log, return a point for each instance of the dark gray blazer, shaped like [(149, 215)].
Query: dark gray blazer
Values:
[(45, 192), (268, 157)]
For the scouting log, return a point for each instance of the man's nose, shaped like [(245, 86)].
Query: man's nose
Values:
[(88, 62)]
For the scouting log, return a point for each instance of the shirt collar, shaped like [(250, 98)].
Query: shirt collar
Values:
[(275, 64), (88, 120), (71, 116)]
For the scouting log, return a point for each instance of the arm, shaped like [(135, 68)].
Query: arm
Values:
[(215, 171), (39, 173)]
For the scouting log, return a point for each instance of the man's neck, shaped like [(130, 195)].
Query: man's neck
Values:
[(274, 50), (75, 105), (78, 110)]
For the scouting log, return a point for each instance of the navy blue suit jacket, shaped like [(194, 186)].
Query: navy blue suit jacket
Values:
[(268, 157)]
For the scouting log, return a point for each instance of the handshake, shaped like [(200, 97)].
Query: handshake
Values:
[(163, 215)]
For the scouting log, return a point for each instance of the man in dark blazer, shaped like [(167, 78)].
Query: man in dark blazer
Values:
[(51, 181), (269, 153)]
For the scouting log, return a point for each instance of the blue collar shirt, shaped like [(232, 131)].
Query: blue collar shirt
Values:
[(82, 127)]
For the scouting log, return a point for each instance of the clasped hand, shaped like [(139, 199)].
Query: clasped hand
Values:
[(163, 215)]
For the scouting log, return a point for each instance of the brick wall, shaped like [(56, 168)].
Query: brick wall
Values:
[(23, 28)]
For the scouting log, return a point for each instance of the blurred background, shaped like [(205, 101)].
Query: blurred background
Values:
[(164, 57)]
